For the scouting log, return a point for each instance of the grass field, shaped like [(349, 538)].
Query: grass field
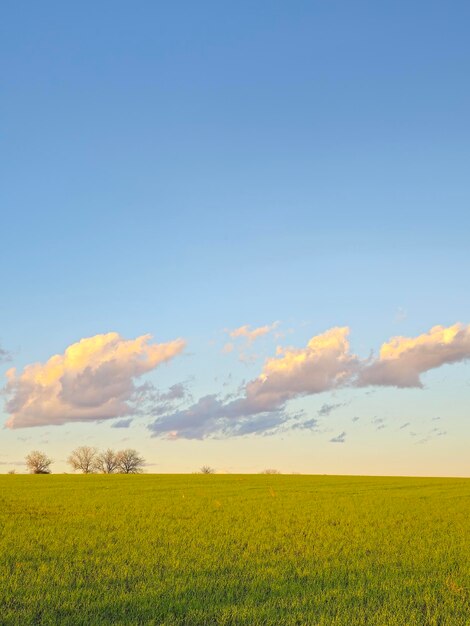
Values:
[(196, 550)]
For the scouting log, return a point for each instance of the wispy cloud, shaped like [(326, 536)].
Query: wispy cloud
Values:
[(327, 409), (148, 400), (125, 423), (92, 380), (5, 355), (248, 335), (341, 438), (251, 334), (432, 434)]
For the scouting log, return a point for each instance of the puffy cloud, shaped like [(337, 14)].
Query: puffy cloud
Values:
[(92, 380), (251, 334), (324, 364), (95, 380), (402, 360)]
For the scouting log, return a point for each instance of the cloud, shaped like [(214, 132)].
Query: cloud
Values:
[(302, 424), (324, 364), (92, 380), (150, 401), (432, 434), (327, 409), (177, 391), (210, 416), (251, 334), (405, 425), (341, 438), (4, 355), (95, 380), (125, 423), (402, 360)]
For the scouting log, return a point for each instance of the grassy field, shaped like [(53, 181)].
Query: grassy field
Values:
[(196, 550)]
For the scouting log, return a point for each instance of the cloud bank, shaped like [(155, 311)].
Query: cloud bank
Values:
[(92, 380), (95, 379), (325, 364)]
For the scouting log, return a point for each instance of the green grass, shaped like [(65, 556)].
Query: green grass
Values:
[(196, 550)]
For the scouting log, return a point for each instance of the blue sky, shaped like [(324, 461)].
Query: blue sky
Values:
[(187, 169)]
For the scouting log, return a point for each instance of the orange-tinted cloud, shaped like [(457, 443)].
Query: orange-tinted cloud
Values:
[(92, 380), (402, 360), (251, 334), (325, 364)]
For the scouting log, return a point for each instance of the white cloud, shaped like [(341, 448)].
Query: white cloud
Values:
[(92, 380)]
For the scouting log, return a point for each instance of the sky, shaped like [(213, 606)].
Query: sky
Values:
[(236, 234)]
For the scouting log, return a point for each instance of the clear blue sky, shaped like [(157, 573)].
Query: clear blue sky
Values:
[(183, 169)]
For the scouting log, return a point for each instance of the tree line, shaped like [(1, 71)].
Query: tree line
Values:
[(89, 460)]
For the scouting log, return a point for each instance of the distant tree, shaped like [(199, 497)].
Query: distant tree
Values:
[(12, 471), (38, 463), (129, 462), (84, 459), (106, 462), (270, 471), (206, 469)]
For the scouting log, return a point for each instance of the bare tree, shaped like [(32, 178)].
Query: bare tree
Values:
[(38, 463), (84, 459), (270, 471), (205, 469), (106, 462), (129, 462)]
